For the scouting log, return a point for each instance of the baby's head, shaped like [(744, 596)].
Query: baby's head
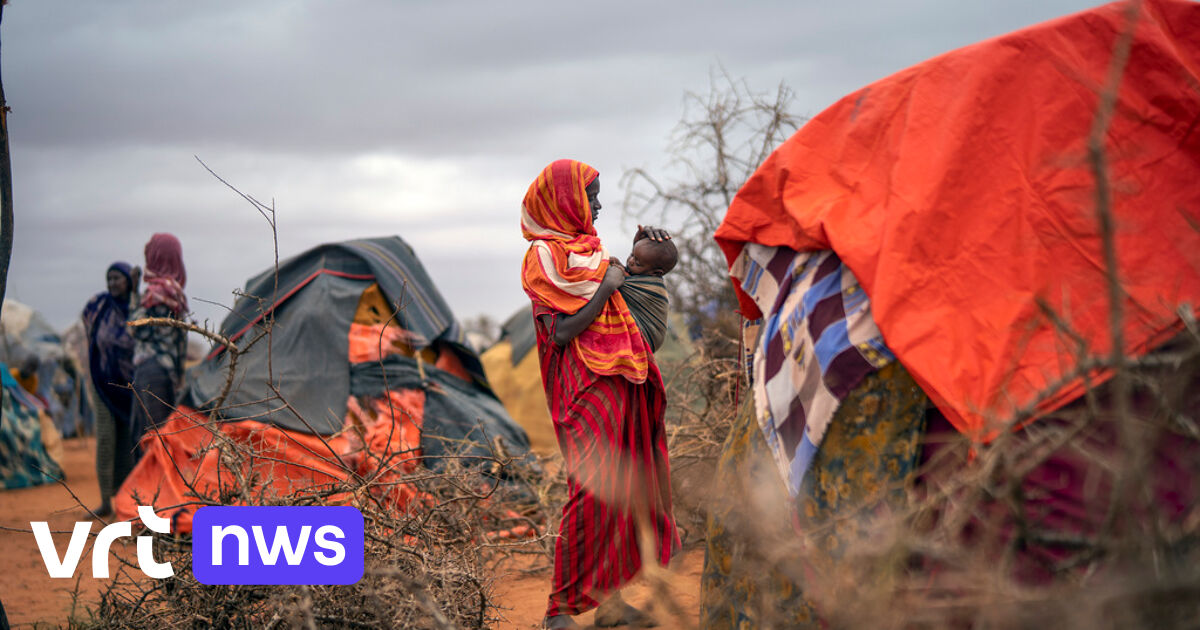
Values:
[(651, 257)]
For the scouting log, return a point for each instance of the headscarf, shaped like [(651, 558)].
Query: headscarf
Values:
[(565, 264), (125, 269), (165, 274), (110, 346)]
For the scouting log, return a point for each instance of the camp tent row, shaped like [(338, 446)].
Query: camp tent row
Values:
[(61, 377)]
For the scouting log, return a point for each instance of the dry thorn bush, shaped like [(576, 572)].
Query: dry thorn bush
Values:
[(723, 137), (428, 565)]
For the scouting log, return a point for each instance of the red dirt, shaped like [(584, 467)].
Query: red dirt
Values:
[(33, 599), (30, 595), (524, 598)]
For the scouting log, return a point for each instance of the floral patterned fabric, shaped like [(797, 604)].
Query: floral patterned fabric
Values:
[(867, 459)]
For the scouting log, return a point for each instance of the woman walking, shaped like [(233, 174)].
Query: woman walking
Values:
[(606, 400)]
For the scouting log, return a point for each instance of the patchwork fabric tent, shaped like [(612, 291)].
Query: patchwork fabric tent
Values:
[(30, 449), (961, 195), (346, 355), (62, 391)]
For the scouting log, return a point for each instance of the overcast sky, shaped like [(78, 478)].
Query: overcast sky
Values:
[(366, 118)]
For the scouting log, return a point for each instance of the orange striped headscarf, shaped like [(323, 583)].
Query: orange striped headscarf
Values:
[(565, 264)]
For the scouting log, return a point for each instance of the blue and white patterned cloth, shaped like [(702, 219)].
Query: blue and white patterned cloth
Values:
[(815, 343)]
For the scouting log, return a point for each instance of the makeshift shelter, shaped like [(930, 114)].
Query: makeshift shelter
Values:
[(27, 439), (348, 355), (60, 392), (961, 195), (75, 347), (513, 370), (516, 376)]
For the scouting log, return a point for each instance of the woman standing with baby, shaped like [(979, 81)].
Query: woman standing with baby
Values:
[(606, 400)]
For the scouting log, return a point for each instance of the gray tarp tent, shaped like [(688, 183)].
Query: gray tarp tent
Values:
[(312, 301)]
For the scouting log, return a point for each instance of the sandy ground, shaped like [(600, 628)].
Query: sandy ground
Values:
[(29, 594), (523, 600), (33, 599)]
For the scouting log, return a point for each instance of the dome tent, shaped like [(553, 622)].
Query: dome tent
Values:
[(350, 335)]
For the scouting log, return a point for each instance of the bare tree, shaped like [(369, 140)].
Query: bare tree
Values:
[(723, 137)]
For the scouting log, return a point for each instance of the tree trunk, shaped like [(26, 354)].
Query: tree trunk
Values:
[(6, 195), (6, 189)]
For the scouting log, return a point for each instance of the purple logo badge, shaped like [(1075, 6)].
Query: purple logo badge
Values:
[(277, 545)]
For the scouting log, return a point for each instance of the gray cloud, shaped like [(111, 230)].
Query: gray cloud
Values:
[(425, 119)]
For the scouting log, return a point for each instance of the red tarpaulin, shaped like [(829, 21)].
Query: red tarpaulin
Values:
[(959, 192)]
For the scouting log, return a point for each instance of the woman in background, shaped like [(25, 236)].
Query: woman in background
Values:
[(160, 350), (110, 362)]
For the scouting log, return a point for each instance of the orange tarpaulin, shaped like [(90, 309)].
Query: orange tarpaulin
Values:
[(959, 192), (178, 463), (380, 441)]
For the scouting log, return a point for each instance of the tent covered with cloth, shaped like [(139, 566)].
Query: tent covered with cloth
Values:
[(30, 447), (962, 194), (350, 363), (515, 373), (62, 390)]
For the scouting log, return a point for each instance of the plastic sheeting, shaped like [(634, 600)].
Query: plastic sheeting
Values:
[(960, 193)]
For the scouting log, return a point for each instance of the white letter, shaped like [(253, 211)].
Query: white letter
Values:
[(338, 549), (154, 522), (156, 570), (45, 543), (100, 548), (145, 544), (218, 534), (282, 541)]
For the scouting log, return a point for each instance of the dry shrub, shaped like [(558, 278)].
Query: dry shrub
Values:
[(429, 565), (976, 544), (703, 394), (971, 540), (722, 138)]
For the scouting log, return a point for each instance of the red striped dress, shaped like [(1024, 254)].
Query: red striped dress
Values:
[(614, 447)]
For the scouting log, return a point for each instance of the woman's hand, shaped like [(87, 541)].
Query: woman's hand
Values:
[(567, 327), (650, 232), (614, 277)]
